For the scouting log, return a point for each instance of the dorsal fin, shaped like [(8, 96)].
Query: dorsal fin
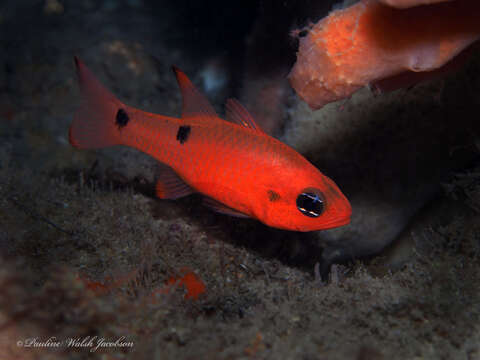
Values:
[(236, 113), (194, 102)]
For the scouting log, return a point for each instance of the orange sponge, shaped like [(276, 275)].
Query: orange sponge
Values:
[(401, 4), (369, 41), (194, 286)]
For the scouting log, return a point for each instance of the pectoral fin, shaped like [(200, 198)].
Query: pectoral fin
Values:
[(170, 185)]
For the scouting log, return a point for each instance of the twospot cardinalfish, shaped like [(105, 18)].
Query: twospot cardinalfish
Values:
[(233, 163)]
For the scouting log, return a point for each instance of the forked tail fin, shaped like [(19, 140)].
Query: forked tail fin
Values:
[(98, 121)]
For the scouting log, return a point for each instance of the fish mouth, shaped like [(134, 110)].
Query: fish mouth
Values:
[(340, 211), (343, 214), (336, 223)]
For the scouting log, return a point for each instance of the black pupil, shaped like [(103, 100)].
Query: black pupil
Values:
[(310, 204)]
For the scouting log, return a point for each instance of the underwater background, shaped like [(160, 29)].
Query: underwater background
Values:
[(95, 266)]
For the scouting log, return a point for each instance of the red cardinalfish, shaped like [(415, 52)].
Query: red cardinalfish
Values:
[(240, 170)]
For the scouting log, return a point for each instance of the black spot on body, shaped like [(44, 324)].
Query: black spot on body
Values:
[(183, 133), (121, 119), (273, 196)]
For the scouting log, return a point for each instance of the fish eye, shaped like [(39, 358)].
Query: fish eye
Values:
[(310, 203)]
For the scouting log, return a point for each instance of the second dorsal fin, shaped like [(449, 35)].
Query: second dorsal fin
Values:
[(238, 114), (194, 103)]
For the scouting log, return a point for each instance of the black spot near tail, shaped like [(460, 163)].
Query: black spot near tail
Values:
[(121, 119), (183, 133)]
